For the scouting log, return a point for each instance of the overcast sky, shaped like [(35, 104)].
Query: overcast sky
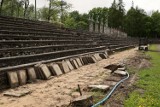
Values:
[(83, 6)]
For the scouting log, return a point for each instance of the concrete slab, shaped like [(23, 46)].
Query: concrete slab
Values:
[(22, 77), (121, 69), (38, 71), (97, 57), (94, 59), (45, 71), (85, 61), (103, 56), (69, 65), (106, 53), (75, 63), (99, 87), (64, 67), (31, 74), (90, 60), (13, 79), (122, 73), (79, 62), (17, 93), (55, 69), (83, 101)]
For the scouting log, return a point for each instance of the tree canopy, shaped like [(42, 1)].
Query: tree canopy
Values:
[(135, 22)]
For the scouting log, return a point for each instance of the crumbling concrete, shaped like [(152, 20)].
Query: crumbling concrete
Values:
[(13, 79), (31, 75), (55, 69), (83, 101), (22, 77)]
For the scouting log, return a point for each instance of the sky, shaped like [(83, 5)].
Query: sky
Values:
[(83, 6)]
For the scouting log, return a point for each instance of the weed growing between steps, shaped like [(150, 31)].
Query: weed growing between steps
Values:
[(147, 92)]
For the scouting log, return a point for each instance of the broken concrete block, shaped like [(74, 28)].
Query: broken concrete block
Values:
[(85, 61), (13, 79), (69, 65), (99, 87), (97, 57), (31, 75), (17, 93), (38, 71), (64, 67), (90, 60), (79, 62), (45, 71), (122, 73), (55, 69), (22, 77), (83, 101), (106, 53), (121, 69), (94, 59), (103, 56), (75, 63)]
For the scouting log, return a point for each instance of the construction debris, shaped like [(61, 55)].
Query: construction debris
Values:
[(13, 79), (69, 65), (17, 93), (55, 69), (22, 77), (103, 88), (83, 101), (31, 75), (122, 73), (64, 66), (43, 71)]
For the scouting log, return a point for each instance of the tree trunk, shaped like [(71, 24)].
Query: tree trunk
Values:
[(18, 9), (35, 9), (26, 7), (12, 6), (49, 11), (1, 6)]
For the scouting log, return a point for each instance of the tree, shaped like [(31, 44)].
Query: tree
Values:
[(121, 13), (35, 9), (19, 7), (113, 15), (136, 22), (26, 5), (156, 23), (1, 6)]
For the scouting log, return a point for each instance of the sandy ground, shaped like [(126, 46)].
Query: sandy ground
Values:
[(59, 91)]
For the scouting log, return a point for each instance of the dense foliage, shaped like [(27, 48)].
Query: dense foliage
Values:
[(135, 21)]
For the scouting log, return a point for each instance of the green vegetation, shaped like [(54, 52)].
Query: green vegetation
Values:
[(135, 22), (147, 92)]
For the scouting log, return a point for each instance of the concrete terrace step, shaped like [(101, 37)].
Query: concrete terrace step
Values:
[(30, 32), (42, 37), (40, 49), (123, 48), (24, 28), (8, 61)]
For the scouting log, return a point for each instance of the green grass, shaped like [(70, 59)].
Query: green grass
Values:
[(149, 82)]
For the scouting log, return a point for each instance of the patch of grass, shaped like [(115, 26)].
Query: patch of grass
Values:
[(149, 81), (97, 96)]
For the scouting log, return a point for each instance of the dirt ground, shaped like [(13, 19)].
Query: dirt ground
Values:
[(59, 91), (134, 64)]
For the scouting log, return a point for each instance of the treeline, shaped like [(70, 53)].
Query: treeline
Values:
[(135, 22)]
